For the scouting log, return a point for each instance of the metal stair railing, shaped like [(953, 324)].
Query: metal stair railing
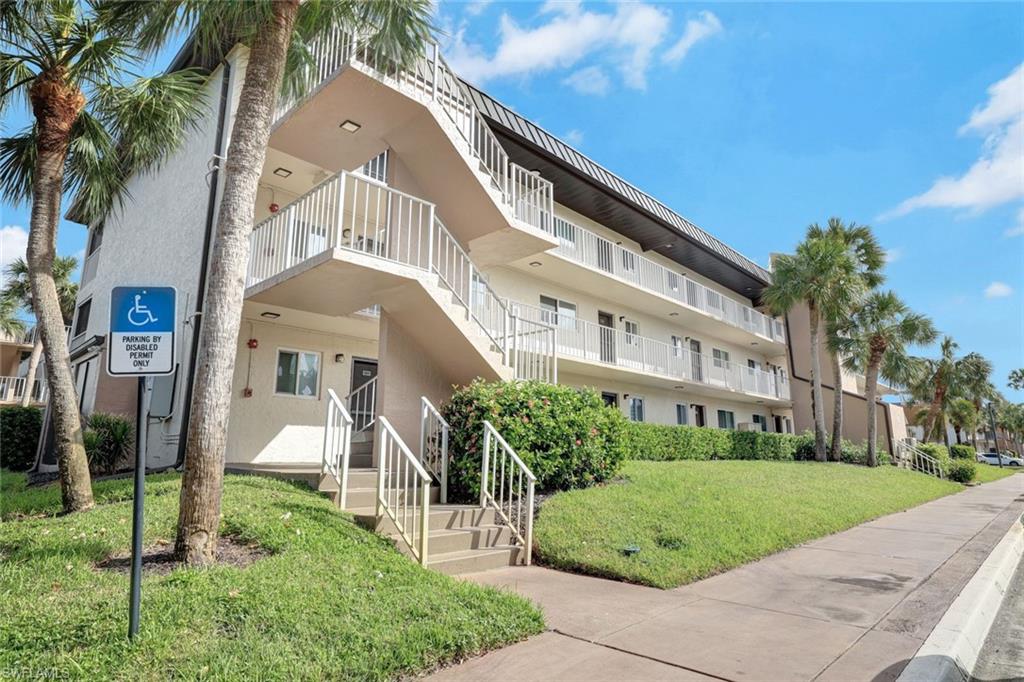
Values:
[(507, 485), (337, 444), (434, 432), (403, 489), (362, 405), (910, 457)]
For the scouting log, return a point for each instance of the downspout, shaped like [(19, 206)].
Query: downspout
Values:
[(197, 315)]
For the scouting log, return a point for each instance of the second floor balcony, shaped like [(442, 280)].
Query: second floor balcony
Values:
[(629, 271), (592, 344)]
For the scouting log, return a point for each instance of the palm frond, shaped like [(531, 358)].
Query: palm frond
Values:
[(17, 166), (94, 173)]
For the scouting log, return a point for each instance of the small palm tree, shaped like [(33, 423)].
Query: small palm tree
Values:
[(946, 378), (816, 274), (10, 324), (876, 344), (962, 415), (94, 125), (19, 289), (279, 35), (1016, 379), (869, 258)]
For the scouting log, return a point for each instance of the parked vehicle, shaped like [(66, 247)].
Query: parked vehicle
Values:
[(993, 458)]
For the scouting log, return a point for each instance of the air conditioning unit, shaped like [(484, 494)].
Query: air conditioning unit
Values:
[(748, 426)]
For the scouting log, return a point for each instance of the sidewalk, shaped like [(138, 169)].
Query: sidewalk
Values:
[(851, 606)]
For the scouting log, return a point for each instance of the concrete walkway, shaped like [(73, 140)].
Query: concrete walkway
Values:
[(851, 606)]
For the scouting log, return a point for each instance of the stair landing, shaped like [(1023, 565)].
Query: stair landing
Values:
[(462, 538)]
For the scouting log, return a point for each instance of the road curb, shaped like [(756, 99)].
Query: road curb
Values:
[(951, 650)]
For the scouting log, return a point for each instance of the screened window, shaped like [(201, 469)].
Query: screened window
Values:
[(681, 416), (82, 319), (636, 409), (298, 373), (720, 357), (726, 419), (556, 312), (761, 421)]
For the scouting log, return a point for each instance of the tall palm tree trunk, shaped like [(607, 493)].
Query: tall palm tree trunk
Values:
[(201, 486), (33, 366), (836, 450), (817, 403), (870, 390), (56, 107)]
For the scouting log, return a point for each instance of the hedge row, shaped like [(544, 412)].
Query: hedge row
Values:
[(19, 436)]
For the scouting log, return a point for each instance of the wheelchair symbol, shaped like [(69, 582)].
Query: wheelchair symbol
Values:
[(140, 314)]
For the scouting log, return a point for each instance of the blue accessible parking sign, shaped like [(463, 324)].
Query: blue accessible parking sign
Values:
[(142, 331)]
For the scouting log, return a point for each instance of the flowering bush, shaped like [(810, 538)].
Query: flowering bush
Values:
[(567, 436)]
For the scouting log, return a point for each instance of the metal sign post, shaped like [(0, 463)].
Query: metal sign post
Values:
[(143, 323)]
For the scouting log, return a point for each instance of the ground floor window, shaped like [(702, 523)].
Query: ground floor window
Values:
[(681, 416), (610, 399), (636, 409), (761, 421), (298, 373), (726, 419)]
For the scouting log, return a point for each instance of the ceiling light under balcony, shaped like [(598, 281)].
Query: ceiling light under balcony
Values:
[(350, 126), (282, 172), (753, 343), (270, 316), (673, 314), (535, 264)]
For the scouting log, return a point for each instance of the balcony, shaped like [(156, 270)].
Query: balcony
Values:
[(583, 345), (12, 389), (694, 302), (27, 337)]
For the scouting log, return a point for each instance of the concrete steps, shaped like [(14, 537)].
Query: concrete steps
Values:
[(462, 538)]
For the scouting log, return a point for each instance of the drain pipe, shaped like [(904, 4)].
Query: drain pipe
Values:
[(197, 315)]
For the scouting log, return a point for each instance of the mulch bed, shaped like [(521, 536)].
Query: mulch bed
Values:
[(159, 558)]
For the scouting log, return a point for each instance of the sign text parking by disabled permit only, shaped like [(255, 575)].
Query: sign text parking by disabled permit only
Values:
[(142, 331)]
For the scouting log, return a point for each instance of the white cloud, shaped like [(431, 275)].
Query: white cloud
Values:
[(997, 177), (574, 137), (591, 80), (998, 290), (625, 37), (13, 242), (893, 255), (703, 26), (476, 7), (1018, 229)]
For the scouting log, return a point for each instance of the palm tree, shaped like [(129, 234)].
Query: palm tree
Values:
[(876, 344), (977, 387), (10, 325), (279, 35), (1016, 379), (19, 289), (820, 270), (95, 124), (869, 258), (963, 416), (946, 378)]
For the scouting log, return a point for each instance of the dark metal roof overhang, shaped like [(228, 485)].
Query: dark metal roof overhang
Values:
[(591, 190)]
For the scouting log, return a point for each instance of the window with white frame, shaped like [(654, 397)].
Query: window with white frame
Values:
[(677, 346), (636, 408), (628, 261), (298, 373), (558, 312), (761, 421), (566, 233), (632, 332), (682, 418), (726, 419), (672, 279), (720, 357)]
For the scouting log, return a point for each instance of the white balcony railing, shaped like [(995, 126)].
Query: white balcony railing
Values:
[(429, 78), (12, 389), (354, 213), (28, 336), (585, 247), (577, 338)]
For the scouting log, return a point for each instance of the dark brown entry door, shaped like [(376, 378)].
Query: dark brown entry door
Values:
[(607, 323)]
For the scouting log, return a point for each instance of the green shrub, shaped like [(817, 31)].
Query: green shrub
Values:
[(959, 451), (109, 442), (567, 436), (939, 452), (857, 453), (961, 470), (804, 449), (661, 442), (19, 436)]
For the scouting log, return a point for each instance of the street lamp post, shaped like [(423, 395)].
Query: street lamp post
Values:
[(995, 434)]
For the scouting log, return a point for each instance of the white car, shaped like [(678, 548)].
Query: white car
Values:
[(993, 458)]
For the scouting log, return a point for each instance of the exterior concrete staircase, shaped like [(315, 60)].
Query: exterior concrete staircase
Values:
[(403, 495)]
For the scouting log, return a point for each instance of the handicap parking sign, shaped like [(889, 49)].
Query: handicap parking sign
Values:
[(142, 331)]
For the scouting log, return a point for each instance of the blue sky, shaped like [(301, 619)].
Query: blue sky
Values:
[(754, 120)]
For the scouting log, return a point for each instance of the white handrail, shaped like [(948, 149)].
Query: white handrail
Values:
[(501, 487), (589, 341), (403, 489), (533, 352), (12, 389), (337, 444), (362, 404), (910, 457), (583, 246), (431, 78), (434, 431)]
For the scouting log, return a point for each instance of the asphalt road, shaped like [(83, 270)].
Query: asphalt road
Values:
[(1002, 657)]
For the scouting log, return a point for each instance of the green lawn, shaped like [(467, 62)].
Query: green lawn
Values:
[(333, 601), (986, 473), (694, 519)]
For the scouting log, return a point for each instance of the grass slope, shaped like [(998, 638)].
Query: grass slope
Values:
[(694, 519), (333, 601), (986, 473)]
